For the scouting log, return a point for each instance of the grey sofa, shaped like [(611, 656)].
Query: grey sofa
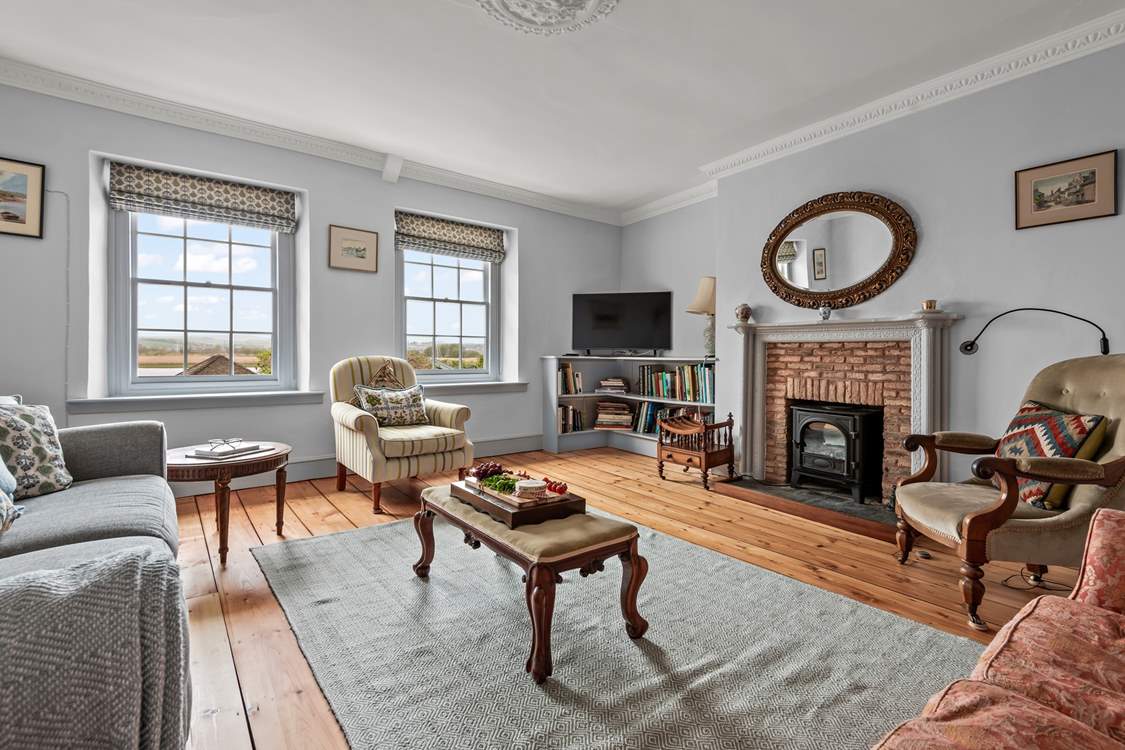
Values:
[(119, 499), (103, 549)]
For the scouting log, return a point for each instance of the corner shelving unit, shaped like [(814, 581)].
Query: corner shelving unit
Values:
[(594, 368)]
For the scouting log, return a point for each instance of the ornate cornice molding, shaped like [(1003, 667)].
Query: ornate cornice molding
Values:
[(52, 83), (1057, 49), (668, 203)]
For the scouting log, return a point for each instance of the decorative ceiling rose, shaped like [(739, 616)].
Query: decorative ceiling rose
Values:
[(548, 17)]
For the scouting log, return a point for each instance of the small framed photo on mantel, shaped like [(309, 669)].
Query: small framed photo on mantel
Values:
[(1071, 190), (21, 198), (353, 249)]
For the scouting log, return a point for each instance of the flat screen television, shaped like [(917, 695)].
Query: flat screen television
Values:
[(622, 320)]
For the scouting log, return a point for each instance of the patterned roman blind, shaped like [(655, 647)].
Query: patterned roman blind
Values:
[(787, 253), (445, 237), (143, 189)]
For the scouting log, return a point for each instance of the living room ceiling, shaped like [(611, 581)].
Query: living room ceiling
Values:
[(618, 113)]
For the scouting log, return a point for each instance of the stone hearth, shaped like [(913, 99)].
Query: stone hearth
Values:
[(899, 364)]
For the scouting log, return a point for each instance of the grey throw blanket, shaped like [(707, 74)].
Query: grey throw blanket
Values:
[(95, 655)]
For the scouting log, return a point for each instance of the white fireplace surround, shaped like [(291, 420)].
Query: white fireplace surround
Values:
[(927, 332)]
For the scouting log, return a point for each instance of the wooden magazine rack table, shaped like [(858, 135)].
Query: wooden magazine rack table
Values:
[(543, 550)]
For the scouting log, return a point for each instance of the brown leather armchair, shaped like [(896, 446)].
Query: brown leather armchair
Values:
[(984, 523)]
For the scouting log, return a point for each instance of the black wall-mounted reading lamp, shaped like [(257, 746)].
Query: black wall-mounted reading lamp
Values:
[(970, 347)]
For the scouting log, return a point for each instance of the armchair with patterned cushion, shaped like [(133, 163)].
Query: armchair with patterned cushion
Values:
[(985, 519), (382, 453)]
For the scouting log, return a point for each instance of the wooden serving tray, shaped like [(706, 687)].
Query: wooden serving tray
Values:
[(511, 515), (511, 498)]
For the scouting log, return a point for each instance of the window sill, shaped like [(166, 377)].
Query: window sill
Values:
[(191, 401), (490, 386)]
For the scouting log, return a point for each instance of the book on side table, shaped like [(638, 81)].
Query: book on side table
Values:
[(225, 451)]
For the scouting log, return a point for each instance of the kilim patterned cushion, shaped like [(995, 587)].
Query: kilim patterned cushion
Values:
[(1039, 431), (393, 407)]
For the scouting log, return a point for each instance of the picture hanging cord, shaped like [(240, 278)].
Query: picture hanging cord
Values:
[(66, 311)]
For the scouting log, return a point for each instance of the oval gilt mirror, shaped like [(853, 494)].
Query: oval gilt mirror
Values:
[(839, 250)]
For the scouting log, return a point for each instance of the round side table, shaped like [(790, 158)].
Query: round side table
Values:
[(183, 468)]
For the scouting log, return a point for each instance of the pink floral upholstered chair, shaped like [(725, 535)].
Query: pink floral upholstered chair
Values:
[(1053, 678)]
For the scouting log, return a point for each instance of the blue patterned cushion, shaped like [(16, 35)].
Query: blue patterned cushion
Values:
[(7, 481), (1039, 431), (393, 407), (9, 511)]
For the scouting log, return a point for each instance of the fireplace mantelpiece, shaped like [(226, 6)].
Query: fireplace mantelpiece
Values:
[(928, 340)]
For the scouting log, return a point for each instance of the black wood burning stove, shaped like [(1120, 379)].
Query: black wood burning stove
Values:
[(838, 444)]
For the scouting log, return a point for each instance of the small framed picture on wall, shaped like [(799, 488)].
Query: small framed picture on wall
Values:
[(820, 263), (21, 198), (353, 249), (1071, 190)]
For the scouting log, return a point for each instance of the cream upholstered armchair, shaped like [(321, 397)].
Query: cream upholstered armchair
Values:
[(983, 522), (382, 454)]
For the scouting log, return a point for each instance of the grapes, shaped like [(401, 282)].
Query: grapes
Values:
[(486, 469)]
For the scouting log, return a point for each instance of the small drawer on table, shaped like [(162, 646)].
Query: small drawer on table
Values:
[(676, 456)]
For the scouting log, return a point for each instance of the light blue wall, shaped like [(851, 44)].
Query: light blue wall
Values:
[(952, 168), (350, 312), (672, 251)]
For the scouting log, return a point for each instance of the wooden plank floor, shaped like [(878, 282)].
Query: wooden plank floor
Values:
[(253, 687)]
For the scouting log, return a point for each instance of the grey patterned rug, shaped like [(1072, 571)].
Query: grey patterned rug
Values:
[(735, 656)]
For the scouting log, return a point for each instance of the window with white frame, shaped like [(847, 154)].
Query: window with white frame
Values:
[(447, 309), (449, 289), (200, 305)]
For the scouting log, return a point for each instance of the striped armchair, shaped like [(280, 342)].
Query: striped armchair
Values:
[(382, 454)]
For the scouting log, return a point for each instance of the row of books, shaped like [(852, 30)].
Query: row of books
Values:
[(648, 413), (683, 383), (614, 415), (569, 419), (570, 381)]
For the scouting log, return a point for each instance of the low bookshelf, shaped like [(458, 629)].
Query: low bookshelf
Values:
[(651, 384)]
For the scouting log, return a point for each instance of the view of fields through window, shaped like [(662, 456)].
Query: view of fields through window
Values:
[(203, 298), (446, 312)]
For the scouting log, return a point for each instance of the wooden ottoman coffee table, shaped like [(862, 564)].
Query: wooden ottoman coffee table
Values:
[(543, 551)]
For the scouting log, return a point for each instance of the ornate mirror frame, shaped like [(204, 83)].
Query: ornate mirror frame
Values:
[(904, 239)]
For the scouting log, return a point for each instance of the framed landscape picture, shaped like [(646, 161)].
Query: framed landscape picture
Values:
[(820, 263), (21, 198), (354, 249), (1071, 190)]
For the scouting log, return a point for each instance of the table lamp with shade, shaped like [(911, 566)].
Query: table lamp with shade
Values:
[(704, 304)]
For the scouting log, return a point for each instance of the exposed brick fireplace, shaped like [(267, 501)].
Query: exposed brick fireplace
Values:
[(862, 373), (897, 364)]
